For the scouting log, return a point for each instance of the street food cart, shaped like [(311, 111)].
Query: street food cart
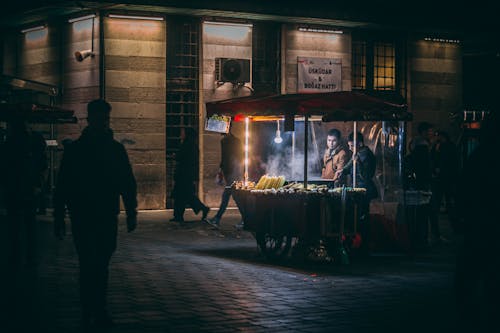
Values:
[(37, 114), (304, 213), (33, 102)]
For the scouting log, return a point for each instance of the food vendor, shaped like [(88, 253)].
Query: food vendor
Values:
[(335, 157), (365, 171)]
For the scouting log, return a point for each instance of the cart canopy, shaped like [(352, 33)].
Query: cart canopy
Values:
[(332, 106)]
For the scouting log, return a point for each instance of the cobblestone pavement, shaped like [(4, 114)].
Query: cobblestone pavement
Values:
[(189, 277)]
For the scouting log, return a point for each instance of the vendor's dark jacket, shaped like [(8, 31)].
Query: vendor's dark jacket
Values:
[(445, 163), (418, 169), (365, 171), (95, 171)]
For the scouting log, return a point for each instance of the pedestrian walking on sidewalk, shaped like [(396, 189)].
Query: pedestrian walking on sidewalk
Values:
[(186, 177), (94, 172), (231, 169)]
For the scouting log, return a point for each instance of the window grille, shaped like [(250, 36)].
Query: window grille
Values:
[(384, 63), (358, 65), (182, 87)]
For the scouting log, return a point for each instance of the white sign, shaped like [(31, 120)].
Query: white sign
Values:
[(217, 123), (51, 143), (319, 75)]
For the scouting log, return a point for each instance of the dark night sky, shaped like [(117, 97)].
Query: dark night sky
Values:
[(474, 15)]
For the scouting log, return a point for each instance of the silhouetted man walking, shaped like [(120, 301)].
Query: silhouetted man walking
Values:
[(232, 169), (95, 171)]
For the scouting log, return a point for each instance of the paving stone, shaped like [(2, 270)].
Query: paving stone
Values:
[(174, 277)]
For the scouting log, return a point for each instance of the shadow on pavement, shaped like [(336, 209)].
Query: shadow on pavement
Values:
[(434, 260)]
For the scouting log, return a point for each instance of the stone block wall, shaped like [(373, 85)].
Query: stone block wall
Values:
[(435, 83), (80, 80), (135, 81), (313, 44)]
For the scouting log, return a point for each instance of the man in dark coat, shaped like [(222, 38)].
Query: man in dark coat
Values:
[(419, 158), (186, 176), (94, 172), (418, 171), (444, 157), (231, 167), (365, 171)]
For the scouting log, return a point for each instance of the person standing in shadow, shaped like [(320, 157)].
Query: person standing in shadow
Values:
[(477, 272), (445, 168), (94, 172), (186, 177), (418, 170), (366, 165), (231, 168), (22, 167)]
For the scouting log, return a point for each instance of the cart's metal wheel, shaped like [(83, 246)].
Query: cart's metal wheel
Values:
[(273, 246)]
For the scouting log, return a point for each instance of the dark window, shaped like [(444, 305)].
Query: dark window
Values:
[(266, 57)]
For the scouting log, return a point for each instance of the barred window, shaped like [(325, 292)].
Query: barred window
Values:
[(374, 65), (358, 65), (384, 63)]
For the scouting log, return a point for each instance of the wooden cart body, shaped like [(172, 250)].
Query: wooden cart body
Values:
[(309, 217)]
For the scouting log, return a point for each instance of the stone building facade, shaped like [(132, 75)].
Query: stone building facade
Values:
[(157, 68)]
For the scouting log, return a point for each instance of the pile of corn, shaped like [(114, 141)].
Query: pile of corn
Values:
[(267, 182)]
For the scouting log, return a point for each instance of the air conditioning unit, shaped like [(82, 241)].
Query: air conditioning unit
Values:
[(232, 70)]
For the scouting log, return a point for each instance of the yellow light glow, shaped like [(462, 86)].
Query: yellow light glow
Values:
[(247, 137), (266, 118)]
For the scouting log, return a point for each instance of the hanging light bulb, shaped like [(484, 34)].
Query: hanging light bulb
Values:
[(278, 138)]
